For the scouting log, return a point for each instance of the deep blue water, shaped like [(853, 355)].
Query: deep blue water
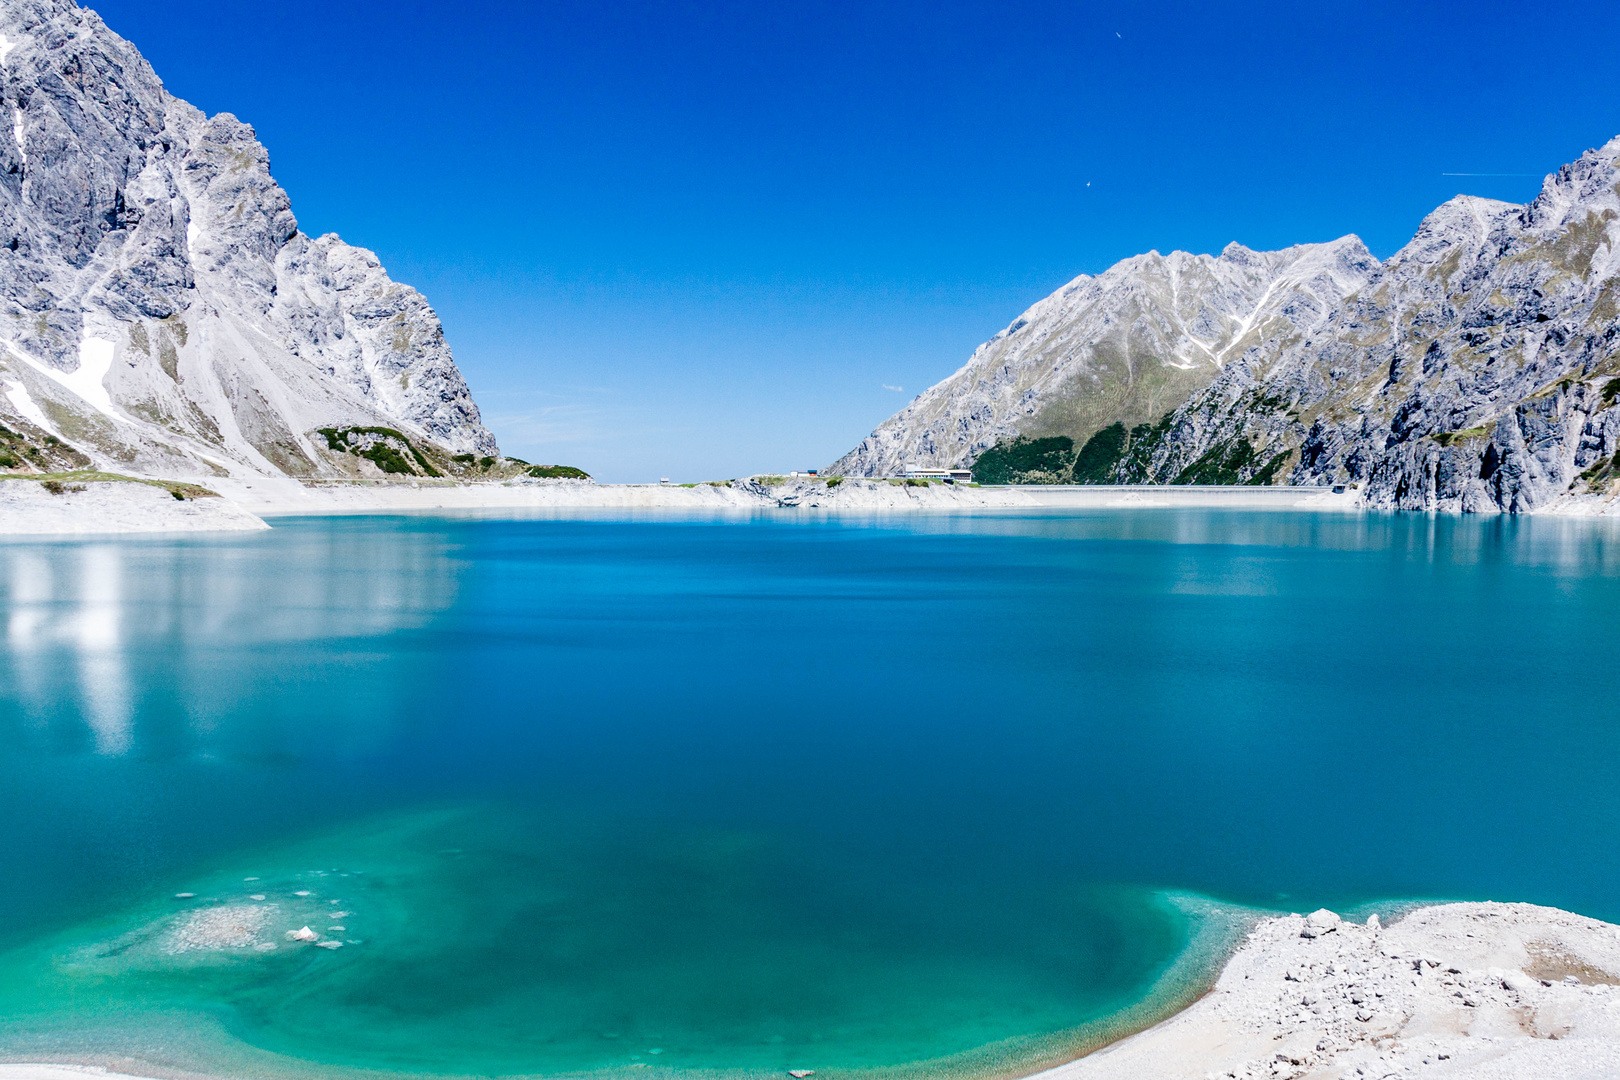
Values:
[(762, 792)]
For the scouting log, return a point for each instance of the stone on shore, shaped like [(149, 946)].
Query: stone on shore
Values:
[(1319, 922)]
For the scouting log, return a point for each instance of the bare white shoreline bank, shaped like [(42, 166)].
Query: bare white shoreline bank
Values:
[(95, 507), (108, 507), (114, 507), (1481, 991), (281, 496)]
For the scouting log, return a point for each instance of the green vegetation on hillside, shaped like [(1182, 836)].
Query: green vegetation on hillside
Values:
[(59, 483), (388, 457), (1114, 455), (1137, 466), (1233, 462), (1222, 463), (1052, 460), (1096, 461), (40, 452), (1446, 438), (557, 472), (1602, 471), (1268, 472), (1027, 461)]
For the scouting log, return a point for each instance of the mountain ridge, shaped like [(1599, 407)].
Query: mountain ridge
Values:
[(1471, 370), (1136, 339)]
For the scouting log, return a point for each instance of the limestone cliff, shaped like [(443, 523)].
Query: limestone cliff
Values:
[(161, 312)]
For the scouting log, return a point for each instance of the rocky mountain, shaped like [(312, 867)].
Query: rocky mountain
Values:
[(1125, 346), (161, 312), (1477, 369)]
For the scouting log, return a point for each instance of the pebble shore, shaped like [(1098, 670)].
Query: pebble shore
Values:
[(1484, 991)]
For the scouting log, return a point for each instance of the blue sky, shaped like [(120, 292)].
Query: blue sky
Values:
[(705, 239)]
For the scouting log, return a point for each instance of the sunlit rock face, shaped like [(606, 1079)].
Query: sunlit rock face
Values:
[(1477, 369), (1126, 346), (159, 308)]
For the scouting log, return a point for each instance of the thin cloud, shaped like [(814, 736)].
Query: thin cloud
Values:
[(569, 423), (896, 389)]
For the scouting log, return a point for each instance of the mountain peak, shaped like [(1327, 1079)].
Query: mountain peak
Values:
[(1122, 347), (137, 229)]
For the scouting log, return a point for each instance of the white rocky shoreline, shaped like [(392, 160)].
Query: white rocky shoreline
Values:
[(1483, 991), (93, 507), (124, 507), (96, 506)]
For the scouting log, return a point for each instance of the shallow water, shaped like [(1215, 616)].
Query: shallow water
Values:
[(763, 793)]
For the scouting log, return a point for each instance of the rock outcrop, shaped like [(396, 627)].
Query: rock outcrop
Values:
[(161, 312), (1476, 370)]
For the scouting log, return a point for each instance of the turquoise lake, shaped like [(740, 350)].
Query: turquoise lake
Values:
[(733, 795)]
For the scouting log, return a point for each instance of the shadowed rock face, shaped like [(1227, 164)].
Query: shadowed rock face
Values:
[(1472, 371), (159, 308)]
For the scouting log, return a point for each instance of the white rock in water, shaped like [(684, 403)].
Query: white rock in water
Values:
[(1373, 923), (306, 934), (229, 926), (257, 896), (1319, 922), (329, 944), (301, 892), (184, 895), (265, 946)]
